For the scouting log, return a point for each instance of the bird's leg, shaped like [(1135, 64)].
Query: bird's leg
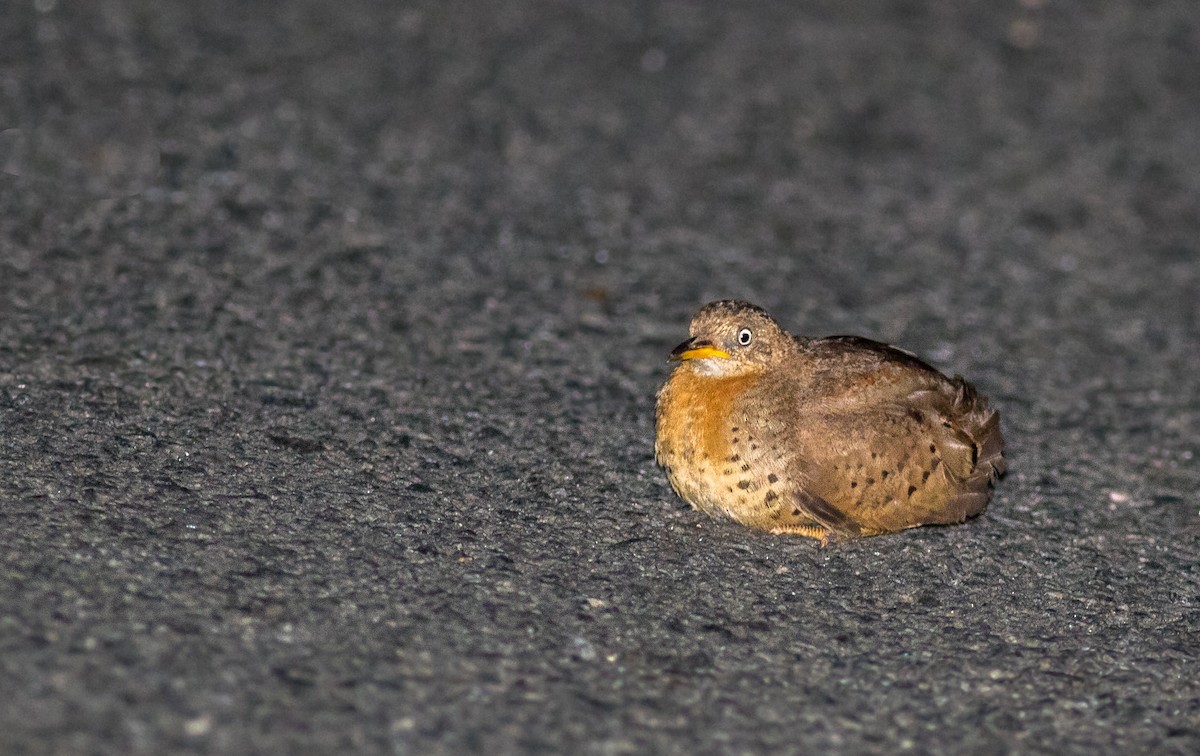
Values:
[(824, 535)]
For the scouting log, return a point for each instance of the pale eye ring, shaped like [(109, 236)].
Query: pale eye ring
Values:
[(745, 336)]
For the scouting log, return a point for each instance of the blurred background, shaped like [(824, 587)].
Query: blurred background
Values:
[(330, 332)]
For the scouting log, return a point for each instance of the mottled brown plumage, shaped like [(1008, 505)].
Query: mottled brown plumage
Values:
[(840, 437)]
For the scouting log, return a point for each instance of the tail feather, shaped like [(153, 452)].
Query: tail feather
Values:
[(981, 425), (990, 443)]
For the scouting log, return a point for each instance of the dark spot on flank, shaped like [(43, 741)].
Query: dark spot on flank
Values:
[(745, 468), (772, 478), (870, 481), (924, 476), (912, 490), (735, 429), (874, 455), (728, 471), (795, 513), (854, 484), (917, 415), (933, 448), (736, 440), (770, 497), (753, 447), (735, 458), (729, 488), (934, 464), (743, 484), (883, 475)]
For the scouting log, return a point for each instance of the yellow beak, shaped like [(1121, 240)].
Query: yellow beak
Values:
[(697, 349)]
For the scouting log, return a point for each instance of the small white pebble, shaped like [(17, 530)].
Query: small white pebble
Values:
[(584, 650), (197, 727)]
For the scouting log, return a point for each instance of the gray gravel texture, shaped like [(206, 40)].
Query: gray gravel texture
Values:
[(330, 333)]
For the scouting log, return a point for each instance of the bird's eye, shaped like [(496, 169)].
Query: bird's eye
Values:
[(745, 336)]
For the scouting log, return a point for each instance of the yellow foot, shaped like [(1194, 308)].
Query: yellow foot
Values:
[(808, 531)]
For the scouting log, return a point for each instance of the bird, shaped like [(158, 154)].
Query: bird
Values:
[(832, 438)]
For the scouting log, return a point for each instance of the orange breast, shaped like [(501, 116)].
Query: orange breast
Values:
[(694, 441)]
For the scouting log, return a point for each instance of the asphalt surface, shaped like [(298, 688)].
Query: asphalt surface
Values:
[(330, 333)]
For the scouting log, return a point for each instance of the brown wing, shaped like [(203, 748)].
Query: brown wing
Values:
[(927, 458)]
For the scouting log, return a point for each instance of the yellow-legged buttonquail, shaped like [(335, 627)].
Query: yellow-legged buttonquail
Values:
[(840, 437)]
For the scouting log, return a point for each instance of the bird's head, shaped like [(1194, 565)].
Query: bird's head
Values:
[(731, 337)]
